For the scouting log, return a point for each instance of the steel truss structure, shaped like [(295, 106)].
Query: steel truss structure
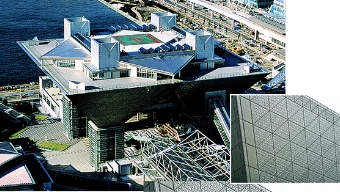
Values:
[(195, 158)]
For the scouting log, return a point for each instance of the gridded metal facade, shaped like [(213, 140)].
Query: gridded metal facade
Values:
[(113, 107), (105, 144), (211, 186), (74, 123), (284, 138)]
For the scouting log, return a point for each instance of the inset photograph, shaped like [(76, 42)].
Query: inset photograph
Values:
[(283, 139)]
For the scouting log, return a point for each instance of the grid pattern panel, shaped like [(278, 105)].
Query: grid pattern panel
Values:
[(211, 186), (297, 139), (105, 144)]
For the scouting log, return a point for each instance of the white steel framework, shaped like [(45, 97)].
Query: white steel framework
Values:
[(195, 158)]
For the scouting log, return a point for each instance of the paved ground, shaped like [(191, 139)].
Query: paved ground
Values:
[(47, 130), (77, 155)]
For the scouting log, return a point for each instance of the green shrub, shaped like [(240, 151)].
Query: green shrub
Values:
[(53, 145), (40, 117), (16, 135)]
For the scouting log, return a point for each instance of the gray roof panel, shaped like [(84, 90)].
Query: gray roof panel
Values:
[(170, 64), (67, 49)]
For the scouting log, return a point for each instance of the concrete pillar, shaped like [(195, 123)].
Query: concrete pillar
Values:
[(211, 14), (192, 6), (137, 116)]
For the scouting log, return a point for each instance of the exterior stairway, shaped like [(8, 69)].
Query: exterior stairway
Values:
[(222, 122)]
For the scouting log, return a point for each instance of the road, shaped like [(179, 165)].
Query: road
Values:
[(23, 94), (139, 17)]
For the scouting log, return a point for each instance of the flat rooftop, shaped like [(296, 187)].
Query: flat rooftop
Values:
[(54, 92), (137, 39), (131, 41), (169, 63)]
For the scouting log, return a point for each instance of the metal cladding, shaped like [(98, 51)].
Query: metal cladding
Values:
[(69, 49), (202, 42), (105, 143), (74, 122), (105, 52), (201, 186), (76, 25), (163, 20), (111, 107), (285, 138)]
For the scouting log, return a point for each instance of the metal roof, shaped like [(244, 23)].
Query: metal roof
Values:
[(7, 152), (68, 49), (169, 64), (17, 175)]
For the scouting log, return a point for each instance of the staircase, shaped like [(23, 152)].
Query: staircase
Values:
[(222, 122)]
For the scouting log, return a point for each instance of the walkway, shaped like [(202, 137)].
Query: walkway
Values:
[(77, 155), (49, 129), (139, 16)]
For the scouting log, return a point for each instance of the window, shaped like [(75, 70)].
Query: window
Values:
[(278, 42), (66, 63), (146, 73), (124, 73)]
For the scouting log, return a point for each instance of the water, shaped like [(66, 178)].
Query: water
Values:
[(24, 19)]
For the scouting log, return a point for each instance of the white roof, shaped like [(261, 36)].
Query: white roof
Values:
[(67, 49), (164, 37)]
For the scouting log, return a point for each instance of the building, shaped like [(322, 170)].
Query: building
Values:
[(283, 138), (20, 171), (105, 144), (108, 77), (278, 8), (255, 3), (50, 97)]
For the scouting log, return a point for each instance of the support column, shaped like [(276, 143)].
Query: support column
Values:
[(137, 116), (192, 6)]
